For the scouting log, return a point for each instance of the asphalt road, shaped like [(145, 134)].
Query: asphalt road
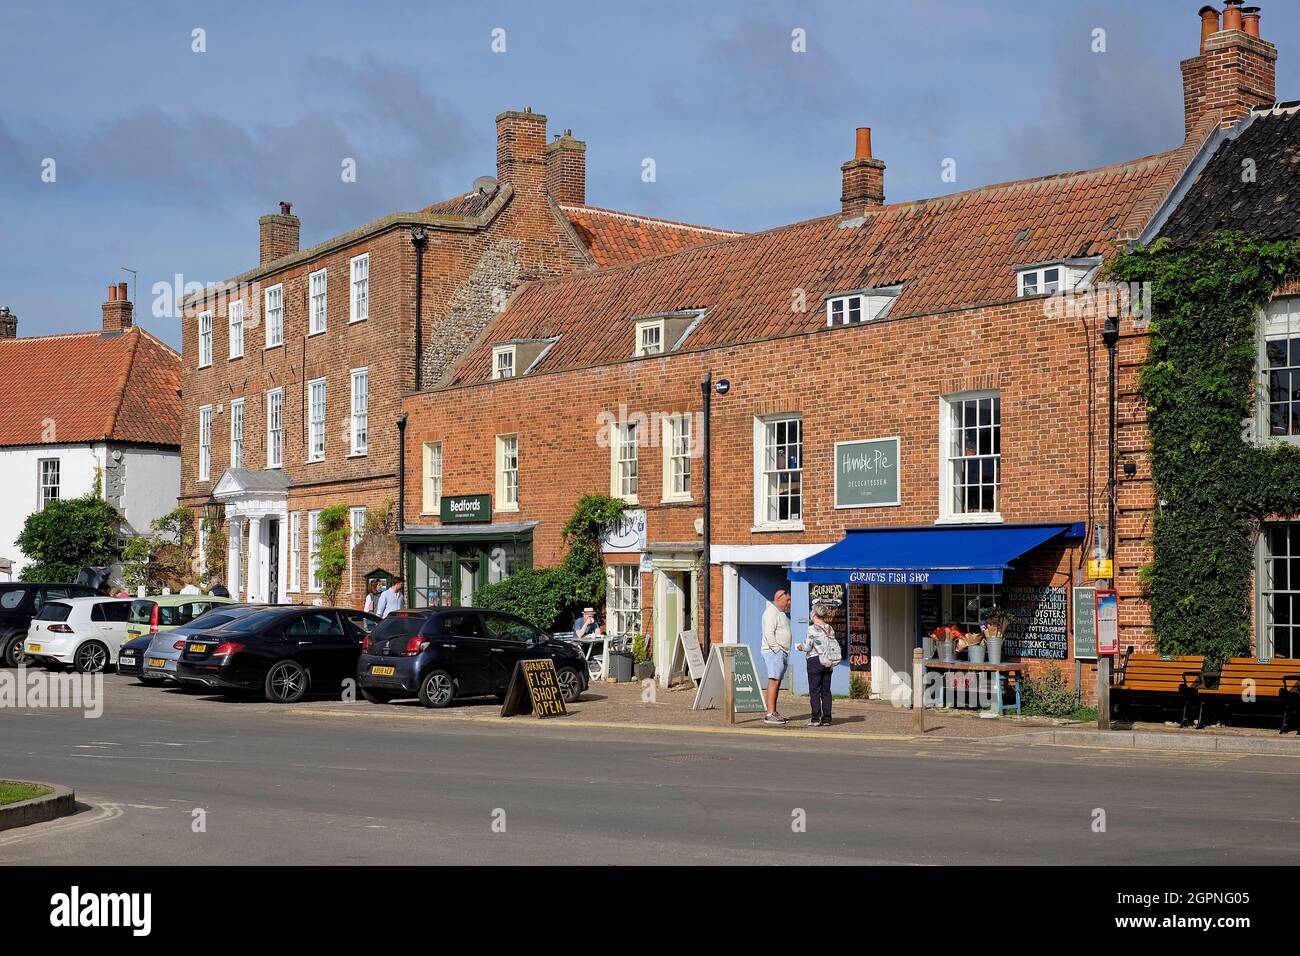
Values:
[(334, 783)]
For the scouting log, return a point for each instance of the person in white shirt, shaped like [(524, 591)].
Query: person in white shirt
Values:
[(190, 588), (820, 634), (372, 597), (391, 599), (776, 649)]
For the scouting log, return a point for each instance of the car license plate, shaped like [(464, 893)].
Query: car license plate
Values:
[(378, 671), (132, 635), (34, 648), (198, 648), (157, 662)]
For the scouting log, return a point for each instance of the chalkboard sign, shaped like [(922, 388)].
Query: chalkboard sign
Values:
[(1038, 623), (832, 595), (744, 679), (928, 611), (1085, 623), (534, 689)]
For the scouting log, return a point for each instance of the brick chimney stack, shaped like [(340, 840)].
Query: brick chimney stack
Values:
[(566, 170), (863, 178), (279, 233), (1236, 70), (521, 143), (8, 323), (118, 309)]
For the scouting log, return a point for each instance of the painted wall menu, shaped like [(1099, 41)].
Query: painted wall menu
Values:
[(1039, 622), (859, 629)]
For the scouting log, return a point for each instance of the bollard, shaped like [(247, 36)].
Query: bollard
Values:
[(918, 692), (1103, 692), (728, 685)]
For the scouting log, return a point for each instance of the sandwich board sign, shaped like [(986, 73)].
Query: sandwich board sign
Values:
[(534, 689), (744, 678), (687, 655)]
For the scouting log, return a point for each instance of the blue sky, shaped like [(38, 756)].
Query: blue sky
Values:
[(166, 157)]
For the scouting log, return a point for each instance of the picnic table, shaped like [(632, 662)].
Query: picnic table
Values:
[(998, 671)]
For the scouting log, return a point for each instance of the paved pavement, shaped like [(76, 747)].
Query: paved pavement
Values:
[(327, 782)]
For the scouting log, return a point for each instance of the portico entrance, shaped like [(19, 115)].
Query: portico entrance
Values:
[(256, 504)]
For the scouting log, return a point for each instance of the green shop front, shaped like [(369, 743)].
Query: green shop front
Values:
[(448, 562)]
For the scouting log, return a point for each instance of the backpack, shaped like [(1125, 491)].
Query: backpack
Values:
[(832, 654)]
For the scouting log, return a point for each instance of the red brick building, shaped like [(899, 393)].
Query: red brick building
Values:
[(913, 369), (294, 370)]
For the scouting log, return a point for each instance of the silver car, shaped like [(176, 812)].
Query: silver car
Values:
[(164, 650)]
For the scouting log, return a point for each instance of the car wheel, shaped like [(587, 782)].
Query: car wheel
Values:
[(91, 658), (437, 689), (286, 683), (377, 696), (570, 684), (14, 656)]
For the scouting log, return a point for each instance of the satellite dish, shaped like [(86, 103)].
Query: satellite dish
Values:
[(487, 185)]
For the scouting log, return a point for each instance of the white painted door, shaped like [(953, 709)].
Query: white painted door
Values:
[(893, 635)]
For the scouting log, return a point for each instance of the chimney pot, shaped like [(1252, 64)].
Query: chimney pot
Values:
[(1232, 14), (286, 208), (1209, 24), (112, 292), (121, 292), (863, 145), (1251, 17)]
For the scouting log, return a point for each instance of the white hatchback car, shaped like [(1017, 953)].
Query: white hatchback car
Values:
[(84, 632)]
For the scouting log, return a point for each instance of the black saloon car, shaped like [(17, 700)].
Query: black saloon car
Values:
[(19, 603), (443, 654), (283, 653)]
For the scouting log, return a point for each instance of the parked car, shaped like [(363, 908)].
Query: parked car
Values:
[(284, 653), (163, 650), (83, 632), (130, 658), (19, 603), (443, 654), (164, 612)]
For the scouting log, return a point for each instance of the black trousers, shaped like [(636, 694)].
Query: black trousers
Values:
[(819, 689)]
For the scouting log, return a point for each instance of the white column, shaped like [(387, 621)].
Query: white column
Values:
[(233, 577), (255, 590), (730, 604), (284, 556)]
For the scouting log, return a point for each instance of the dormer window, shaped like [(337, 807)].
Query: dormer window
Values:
[(1043, 281), (861, 305), (650, 337), (503, 361)]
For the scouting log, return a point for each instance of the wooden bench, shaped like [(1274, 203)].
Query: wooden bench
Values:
[(1150, 675), (1254, 683)]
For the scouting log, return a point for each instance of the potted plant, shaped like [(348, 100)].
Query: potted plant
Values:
[(644, 667), (945, 638), (974, 644), (994, 623)]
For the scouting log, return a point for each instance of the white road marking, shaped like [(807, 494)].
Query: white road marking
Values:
[(65, 825)]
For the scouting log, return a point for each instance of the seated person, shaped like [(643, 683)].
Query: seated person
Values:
[(587, 626)]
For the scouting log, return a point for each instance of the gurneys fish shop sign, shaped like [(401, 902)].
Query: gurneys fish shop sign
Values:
[(866, 473)]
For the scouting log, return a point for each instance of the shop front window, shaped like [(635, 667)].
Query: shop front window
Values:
[(431, 576), (1279, 586), (623, 600), (505, 559), (967, 601)]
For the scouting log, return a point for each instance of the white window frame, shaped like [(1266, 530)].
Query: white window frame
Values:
[(205, 442), (235, 328), (275, 428), (295, 560), (1035, 282), (317, 412), (205, 339), (359, 288), (44, 486), (1267, 593), (676, 440), (432, 478), (504, 360), (625, 461), (356, 528), (948, 410), (314, 584), (273, 315), (318, 299), (767, 430), (507, 497), (623, 599), (645, 326), (359, 421), (858, 308), (1279, 321), (236, 433)]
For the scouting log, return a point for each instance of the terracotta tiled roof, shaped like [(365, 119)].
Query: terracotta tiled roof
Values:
[(613, 238), (951, 252), (1221, 198), (90, 387)]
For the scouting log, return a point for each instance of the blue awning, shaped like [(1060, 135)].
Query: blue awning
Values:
[(943, 554)]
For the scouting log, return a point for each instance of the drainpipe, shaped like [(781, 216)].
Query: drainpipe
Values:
[(401, 500), (418, 239), (1110, 336), (706, 590)]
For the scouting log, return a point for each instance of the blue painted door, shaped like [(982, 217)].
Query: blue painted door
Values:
[(758, 582)]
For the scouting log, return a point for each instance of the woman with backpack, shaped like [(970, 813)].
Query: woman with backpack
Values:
[(823, 651)]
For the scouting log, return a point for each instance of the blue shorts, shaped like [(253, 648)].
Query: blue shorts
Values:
[(775, 662)]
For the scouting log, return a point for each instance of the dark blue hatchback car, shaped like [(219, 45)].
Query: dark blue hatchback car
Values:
[(443, 654)]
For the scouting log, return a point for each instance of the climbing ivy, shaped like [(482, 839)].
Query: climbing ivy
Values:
[(1215, 482)]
